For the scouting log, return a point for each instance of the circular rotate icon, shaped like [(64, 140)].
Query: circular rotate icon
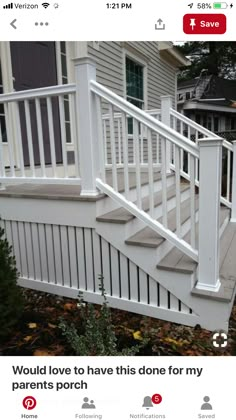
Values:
[(156, 398), (29, 403)]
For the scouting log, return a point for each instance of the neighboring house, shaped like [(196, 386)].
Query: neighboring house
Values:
[(210, 101), (93, 155)]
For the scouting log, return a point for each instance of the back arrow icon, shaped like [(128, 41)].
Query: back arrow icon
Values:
[(12, 24)]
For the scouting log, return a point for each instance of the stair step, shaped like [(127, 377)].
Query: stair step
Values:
[(177, 261), (148, 238), (122, 215), (144, 178)]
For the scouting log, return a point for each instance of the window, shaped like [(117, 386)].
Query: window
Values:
[(134, 83), (188, 96), (216, 124), (134, 86)]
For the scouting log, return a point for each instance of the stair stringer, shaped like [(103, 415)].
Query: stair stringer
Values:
[(209, 314), (146, 259)]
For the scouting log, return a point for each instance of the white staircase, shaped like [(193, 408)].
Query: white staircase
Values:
[(168, 266)]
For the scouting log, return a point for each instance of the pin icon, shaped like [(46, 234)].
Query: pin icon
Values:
[(29, 403), (156, 398)]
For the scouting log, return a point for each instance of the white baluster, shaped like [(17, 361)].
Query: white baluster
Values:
[(164, 183), (113, 148), (137, 162), (52, 135), (177, 189), (150, 173), (63, 136), (192, 199), (125, 154), (29, 137), (40, 137)]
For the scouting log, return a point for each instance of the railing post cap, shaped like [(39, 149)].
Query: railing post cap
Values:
[(166, 97), (84, 60), (234, 142), (210, 142)]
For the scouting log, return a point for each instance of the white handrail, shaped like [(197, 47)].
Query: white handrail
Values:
[(148, 220), (37, 93), (145, 119), (199, 128), (118, 115)]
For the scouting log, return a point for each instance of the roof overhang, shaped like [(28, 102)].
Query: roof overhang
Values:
[(190, 105), (171, 53)]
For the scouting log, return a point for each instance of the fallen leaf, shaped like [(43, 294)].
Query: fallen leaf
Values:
[(28, 338), (32, 325), (52, 326), (41, 353), (137, 335), (69, 306)]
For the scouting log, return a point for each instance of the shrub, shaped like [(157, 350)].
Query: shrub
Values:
[(11, 301), (98, 338)]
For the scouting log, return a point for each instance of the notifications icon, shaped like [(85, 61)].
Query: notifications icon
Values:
[(29, 403), (156, 398)]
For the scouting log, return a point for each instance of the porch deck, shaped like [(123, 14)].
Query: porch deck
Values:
[(71, 192)]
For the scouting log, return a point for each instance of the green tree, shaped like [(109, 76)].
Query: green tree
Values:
[(11, 301), (218, 58)]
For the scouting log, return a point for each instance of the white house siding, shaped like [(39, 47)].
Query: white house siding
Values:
[(160, 76)]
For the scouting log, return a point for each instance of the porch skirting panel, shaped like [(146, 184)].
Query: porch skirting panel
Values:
[(66, 260)]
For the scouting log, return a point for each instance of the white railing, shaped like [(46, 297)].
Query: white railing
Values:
[(36, 136), (194, 132), (156, 113), (142, 122)]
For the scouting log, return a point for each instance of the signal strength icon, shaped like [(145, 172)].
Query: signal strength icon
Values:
[(190, 5), (45, 5), (8, 6)]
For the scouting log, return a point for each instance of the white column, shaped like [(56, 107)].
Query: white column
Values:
[(233, 212), (85, 71), (166, 104), (209, 213)]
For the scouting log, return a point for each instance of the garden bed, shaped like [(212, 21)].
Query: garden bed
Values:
[(37, 332)]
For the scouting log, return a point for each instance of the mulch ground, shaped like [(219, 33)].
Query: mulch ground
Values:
[(37, 332)]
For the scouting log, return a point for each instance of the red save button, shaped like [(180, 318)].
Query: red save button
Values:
[(195, 24)]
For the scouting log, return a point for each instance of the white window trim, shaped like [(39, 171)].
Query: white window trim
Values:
[(143, 63)]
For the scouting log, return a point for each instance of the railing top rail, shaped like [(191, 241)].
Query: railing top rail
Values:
[(38, 93), (118, 115), (147, 120), (199, 127)]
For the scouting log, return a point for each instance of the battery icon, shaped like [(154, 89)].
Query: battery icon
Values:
[(221, 5)]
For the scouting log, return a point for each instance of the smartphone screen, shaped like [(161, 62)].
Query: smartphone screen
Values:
[(117, 210)]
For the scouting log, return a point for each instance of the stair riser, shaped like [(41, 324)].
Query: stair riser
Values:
[(166, 246), (107, 204), (135, 225)]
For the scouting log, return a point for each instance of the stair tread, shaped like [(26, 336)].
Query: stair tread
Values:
[(148, 238), (122, 215), (132, 178), (177, 261)]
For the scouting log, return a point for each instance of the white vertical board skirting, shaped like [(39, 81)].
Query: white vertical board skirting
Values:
[(74, 258)]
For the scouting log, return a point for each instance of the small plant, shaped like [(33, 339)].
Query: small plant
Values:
[(11, 301), (99, 337)]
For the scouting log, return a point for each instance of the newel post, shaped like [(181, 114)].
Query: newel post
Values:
[(85, 71), (210, 160), (233, 212), (166, 104)]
